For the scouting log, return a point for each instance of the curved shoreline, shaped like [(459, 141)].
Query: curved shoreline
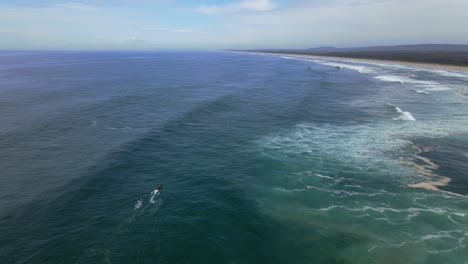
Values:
[(416, 64), (363, 60)]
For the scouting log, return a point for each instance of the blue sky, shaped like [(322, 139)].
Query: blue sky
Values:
[(224, 24)]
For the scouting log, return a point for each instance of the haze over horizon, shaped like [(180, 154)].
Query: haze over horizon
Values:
[(228, 24)]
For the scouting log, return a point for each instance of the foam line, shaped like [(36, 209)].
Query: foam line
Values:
[(433, 181), (358, 68), (420, 91), (389, 78)]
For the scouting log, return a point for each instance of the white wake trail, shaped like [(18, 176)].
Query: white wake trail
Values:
[(153, 194)]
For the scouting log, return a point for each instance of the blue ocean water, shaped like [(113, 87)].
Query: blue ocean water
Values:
[(262, 158)]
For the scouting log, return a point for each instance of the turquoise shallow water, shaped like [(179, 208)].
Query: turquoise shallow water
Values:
[(263, 159)]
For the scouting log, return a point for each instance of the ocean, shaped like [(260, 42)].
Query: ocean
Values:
[(262, 158)]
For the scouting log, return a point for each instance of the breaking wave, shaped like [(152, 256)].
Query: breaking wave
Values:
[(420, 91), (387, 78), (358, 68), (404, 115)]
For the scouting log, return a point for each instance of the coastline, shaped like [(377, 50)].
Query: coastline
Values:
[(433, 181), (416, 64), (407, 63)]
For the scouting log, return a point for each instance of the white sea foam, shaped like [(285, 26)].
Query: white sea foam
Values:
[(451, 219), (404, 115), (300, 58), (437, 88), (324, 176), (125, 129), (411, 210), (354, 186), (392, 66), (441, 242), (359, 146), (382, 75), (153, 194), (460, 214), (427, 85), (360, 143), (448, 73), (341, 193), (389, 78), (365, 69), (138, 204), (407, 80), (445, 73), (385, 219), (420, 91), (343, 63), (358, 68), (444, 234)]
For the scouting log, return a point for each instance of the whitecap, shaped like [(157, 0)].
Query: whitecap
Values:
[(451, 219), (389, 78), (373, 145), (448, 73), (406, 79), (437, 88), (404, 115), (358, 68), (324, 176), (354, 186), (420, 91), (460, 214)]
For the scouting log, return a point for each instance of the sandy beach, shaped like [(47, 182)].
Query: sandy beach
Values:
[(414, 64)]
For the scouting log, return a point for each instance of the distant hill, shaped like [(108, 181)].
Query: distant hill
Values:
[(418, 48)]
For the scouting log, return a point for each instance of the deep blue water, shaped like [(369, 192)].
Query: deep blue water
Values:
[(263, 159)]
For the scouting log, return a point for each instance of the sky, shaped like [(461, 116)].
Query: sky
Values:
[(228, 24)]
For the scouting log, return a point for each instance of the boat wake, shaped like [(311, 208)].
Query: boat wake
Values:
[(138, 204), (153, 195)]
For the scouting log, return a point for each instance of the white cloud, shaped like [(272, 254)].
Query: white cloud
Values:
[(239, 6), (136, 40), (175, 30), (242, 24), (363, 23), (70, 26)]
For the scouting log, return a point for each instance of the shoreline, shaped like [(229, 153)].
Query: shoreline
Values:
[(417, 64), (359, 60), (433, 182)]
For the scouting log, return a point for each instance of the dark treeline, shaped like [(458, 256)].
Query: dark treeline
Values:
[(458, 58)]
